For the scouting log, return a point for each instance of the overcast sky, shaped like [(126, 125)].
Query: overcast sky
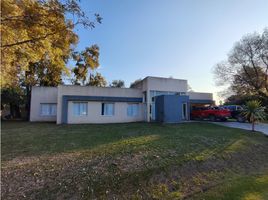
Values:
[(179, 38)]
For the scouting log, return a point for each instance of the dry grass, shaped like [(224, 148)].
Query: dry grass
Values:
[(127, 161)]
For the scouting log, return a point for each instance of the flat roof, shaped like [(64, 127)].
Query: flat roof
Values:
[(159, 77)]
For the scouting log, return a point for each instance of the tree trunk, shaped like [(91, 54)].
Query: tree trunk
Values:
[(17, 111), (253, 125)]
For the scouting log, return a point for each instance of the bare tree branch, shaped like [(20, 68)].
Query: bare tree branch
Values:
[(32, 40)]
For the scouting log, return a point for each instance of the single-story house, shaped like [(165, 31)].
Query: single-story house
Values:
[(151, 99)]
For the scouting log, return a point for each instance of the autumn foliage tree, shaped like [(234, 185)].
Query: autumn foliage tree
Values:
[(37, 39), (97, 80), (87, 62), (34, 30), (117, 84)]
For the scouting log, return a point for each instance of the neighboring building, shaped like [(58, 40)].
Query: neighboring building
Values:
[(152, 99)]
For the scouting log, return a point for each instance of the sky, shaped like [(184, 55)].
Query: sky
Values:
[(179, 38)]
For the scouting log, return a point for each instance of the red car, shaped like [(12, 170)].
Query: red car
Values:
[(211, 113)]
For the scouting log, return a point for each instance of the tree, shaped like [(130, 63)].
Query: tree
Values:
[(37, 41), (240, 82), (189, 88), (240, 99), (13, 98), (246, 69), (97, 80), (135, 82), (117, 84), (34, 30), (85, 61), (42, 73), (254, 112)]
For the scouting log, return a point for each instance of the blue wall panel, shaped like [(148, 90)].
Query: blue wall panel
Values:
[(159, 108), (169, 108)]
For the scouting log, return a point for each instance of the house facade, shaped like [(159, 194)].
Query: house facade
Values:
[(151, 99)]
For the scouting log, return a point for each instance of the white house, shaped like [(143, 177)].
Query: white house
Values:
[(152, 99)]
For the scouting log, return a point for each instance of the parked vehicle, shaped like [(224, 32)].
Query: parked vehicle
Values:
[(236, 112), (211, 113)]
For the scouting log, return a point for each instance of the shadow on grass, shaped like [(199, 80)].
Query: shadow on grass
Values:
[(118, 157), (23, 139)]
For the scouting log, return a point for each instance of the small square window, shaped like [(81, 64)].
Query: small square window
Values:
[(48, 109), (107, 109), (80, 108), (133, 110)]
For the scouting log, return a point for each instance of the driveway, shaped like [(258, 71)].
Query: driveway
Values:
[(261, 127)]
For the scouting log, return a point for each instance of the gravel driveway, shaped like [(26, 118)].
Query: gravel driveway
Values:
[(261, 127)]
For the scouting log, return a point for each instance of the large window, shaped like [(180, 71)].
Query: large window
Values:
[(133, 110), (107, 109), (48, 109), (80, 108)]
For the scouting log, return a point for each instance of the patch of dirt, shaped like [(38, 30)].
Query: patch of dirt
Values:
[(81, 176), (195, 176)]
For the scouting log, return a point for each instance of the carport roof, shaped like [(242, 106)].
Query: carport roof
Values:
[(202, 101)]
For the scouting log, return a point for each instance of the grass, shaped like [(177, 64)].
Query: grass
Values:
[(132, 161), (253, 187)]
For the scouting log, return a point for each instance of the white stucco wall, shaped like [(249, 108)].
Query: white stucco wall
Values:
[(162, 84), (42, 95), (166, 84), (94, 114), (94, 91)]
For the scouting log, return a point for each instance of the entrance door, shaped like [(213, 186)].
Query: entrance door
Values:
[(184, 111)]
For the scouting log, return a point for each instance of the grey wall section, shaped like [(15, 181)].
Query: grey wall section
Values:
[(169, 108), (98, 100), (42, 95)]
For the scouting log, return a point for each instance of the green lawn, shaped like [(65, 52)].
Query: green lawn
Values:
[(132, 161)]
